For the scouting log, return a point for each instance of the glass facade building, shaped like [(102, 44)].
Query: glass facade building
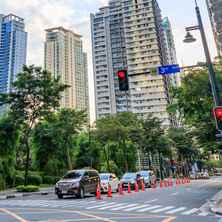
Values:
[(13, 46)]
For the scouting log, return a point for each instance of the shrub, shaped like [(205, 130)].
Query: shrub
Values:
[(19, 180), (34, 180), (2, 183), (29, 188), (50, 180)]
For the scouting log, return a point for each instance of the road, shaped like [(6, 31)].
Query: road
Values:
[(179, 204)]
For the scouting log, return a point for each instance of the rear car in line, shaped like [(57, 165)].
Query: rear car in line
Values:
[(77, 183)]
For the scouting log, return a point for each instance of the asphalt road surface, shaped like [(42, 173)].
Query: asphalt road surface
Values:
[(180, 204)]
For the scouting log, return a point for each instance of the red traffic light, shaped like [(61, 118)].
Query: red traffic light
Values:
[(121, 74), (218, 113)]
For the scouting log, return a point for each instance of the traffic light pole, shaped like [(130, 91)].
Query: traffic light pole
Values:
[(212, 75)]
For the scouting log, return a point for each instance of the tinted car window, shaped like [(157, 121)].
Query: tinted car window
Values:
[(104, 177), (129, 176), (73, 175), (93, 173)]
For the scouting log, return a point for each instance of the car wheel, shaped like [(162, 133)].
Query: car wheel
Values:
[(60, 196), (81, 193)]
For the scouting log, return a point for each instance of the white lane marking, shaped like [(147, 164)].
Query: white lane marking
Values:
[(174, 194), (192, 211), (176, 210), (14, 215), (100, 205), (149, 208), (203, 214), (162, 209), (136, 208), (120, 208), (111, 206), (151, 201)]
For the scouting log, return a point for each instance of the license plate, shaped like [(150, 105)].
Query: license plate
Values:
[(64, 191)]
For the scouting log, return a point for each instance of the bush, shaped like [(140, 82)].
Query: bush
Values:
[(19, 180), (2, 183), (50, 180), (213, 163), (29, 188), (34, 180)]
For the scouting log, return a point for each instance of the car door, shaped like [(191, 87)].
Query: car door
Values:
[(115, 182), (86, 182)]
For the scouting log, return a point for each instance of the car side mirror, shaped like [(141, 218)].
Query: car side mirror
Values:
[(86, 177)]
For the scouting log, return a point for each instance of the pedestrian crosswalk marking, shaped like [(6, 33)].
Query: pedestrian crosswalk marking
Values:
[(136, 208), (123, 207), (108, 207), (176, 210), (101, 205), (203, 214), (192, 211), (162, 209), (149, 208)]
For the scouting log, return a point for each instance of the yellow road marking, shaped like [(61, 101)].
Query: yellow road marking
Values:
[(17, 217), (169, 219), (93, 216)]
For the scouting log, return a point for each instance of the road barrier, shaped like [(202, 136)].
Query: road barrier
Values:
[(136, 187), (109, 191), (120, 189), (98, 193), (129, 188)]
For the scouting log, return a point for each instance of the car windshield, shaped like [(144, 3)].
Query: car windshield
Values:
[(144, 173), (104, 176), (129, 176), (74, 175)]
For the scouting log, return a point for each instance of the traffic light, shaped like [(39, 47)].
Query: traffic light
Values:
[(123, 80), (218, 117)]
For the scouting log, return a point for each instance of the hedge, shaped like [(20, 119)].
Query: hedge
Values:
[(51, 180), (34, 180), (29, 188)]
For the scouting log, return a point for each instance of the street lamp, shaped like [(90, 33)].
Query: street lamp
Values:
[(189, 39)]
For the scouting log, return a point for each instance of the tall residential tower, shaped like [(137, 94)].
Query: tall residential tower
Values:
[(64, 58), (13, 46), (215, 13), (128, 34)]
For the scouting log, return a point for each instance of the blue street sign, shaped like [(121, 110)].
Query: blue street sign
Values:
[(169, 69)]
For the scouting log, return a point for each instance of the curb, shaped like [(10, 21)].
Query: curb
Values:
[(10, 196)]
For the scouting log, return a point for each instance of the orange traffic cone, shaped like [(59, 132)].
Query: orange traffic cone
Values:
[(109, 191), (120, 189), (143, 186), (165, 183), (129, 188), (161, 184), (136, 187), (98, 193)]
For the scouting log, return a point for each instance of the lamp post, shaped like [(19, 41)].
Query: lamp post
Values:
[(189, 39)]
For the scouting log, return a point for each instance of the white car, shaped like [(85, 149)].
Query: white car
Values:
[(107, 179)]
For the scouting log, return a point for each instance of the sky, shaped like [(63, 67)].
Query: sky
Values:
[(75, 15)]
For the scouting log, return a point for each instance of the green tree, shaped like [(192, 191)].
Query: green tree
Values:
[(194, 103), (88, 152), (54, 138), (113, 132), (9, 137), (34, 96)]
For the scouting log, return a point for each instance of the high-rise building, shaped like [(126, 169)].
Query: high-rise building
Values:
[(13, 46), (215, 13), (129, 35), (170, 49), (64, 58)]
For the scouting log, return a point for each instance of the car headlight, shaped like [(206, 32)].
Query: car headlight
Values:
[(76, 184)]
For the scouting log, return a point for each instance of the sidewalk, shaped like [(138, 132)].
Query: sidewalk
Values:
[(12, 193), (216, 203)]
